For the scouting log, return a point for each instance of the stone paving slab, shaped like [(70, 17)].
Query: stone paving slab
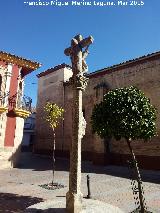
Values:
[(19, 187)]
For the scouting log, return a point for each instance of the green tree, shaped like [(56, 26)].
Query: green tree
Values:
[(125, 113), (53, 115)]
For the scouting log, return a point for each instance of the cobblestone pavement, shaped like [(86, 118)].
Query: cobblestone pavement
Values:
[(19, 187)]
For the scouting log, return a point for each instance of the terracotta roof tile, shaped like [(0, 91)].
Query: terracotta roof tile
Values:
[(53, 69), (107, 69), (124, 64), (10, 58)]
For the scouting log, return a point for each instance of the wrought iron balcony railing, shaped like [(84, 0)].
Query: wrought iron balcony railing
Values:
[(21, 105), (15, 101), (3, 96), (20, 102)]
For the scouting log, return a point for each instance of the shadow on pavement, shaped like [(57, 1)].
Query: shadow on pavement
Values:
[(11, 203), (41, 163), (50, 210)]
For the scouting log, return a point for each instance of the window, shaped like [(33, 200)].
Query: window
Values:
[(101, 89), (83, 110)]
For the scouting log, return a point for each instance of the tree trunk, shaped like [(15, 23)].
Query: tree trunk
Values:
[(107, 149), (53, 154), (138, 176)]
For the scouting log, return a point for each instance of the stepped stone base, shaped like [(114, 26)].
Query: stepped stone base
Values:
[(59, 206)]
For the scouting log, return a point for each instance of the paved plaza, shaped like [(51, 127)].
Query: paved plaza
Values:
[(19, 187)]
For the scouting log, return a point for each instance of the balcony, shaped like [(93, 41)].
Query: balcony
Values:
[(21, 112), (3, 108), (20, 105), (16, 105)]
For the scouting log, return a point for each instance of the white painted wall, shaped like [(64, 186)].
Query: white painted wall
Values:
[(8, 81)]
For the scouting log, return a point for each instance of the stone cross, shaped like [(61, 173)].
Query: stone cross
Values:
[(79, 83)]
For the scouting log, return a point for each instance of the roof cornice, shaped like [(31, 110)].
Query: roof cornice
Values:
[(53, 69), (22, 62), (125, 64)]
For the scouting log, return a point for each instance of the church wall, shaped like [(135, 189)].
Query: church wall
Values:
[(50, 88), (145, 74)]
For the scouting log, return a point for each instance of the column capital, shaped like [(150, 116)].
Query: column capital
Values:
[(81, 81)]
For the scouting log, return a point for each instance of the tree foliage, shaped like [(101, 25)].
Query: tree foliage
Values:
[(124, 113), (53, 114)]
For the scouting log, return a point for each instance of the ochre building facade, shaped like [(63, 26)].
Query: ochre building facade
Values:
[(143, 72)]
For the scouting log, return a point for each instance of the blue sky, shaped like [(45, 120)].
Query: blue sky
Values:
[(42, 33)]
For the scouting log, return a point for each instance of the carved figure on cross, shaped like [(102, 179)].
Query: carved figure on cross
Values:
[(77, 55), (84, 56)]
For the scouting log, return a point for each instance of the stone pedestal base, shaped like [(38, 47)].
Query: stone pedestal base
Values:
[(74, 202), (57, 205)]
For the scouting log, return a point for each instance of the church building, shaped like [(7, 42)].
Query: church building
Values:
[(53, 86), (13, 70)]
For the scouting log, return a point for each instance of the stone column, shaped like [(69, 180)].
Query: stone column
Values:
[(79, 82), (74, 195)]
